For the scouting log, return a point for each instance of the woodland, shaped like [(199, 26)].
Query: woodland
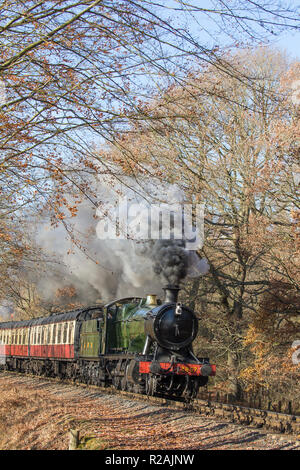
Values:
[(101, 95)]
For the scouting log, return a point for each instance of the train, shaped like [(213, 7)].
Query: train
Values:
[(137, 344)]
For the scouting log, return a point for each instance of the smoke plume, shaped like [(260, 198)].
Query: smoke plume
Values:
[(101, 269)]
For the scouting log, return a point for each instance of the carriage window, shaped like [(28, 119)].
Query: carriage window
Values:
[(65, 336), (49, 328), (71, 333), (99, 323), (112, 311), (53, 329), (59, 333)]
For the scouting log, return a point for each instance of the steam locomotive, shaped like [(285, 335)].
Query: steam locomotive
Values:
[(137, 344)]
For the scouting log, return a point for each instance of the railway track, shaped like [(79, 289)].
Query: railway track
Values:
[(268, 420)]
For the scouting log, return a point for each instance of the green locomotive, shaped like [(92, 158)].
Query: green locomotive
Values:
[(146, 346)]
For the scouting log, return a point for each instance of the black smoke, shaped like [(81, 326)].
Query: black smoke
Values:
[(170, 260)]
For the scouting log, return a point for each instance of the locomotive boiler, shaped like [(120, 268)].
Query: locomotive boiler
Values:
[(137, 344)]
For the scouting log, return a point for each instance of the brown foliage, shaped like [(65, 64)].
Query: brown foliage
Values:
[(218, 139)]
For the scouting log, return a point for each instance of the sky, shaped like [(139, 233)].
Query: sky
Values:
[(210, 29), (291, 43)]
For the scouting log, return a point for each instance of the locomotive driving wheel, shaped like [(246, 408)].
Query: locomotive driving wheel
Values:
[(191, 388), (151, 384), (117, 383), (124, 381)]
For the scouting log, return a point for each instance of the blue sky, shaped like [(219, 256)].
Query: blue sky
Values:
[(210, 30), (290, 42)]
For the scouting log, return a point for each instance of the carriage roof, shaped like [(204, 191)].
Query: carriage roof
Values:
[(78, 314)]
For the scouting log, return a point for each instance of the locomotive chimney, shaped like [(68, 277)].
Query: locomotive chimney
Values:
[(171, 294)]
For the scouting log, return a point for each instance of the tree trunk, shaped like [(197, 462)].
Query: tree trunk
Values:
[(194, 292), (235, 390)]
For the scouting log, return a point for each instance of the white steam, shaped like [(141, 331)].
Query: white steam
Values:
[(105, 269)]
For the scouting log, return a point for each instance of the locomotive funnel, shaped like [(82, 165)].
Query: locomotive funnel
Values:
[(171, 294)]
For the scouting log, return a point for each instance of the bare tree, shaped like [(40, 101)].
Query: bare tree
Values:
[(76, 71), (217, 138)]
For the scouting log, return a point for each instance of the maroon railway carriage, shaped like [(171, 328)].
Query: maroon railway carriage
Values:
[(54, 337)]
